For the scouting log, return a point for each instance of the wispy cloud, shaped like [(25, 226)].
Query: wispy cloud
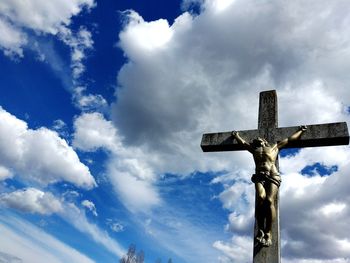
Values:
[(27, 26), (115, 226), (25, 242), (35, 201), (90, 206), (73, 215)]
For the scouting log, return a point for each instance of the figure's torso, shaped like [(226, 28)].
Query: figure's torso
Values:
[(265, 158)]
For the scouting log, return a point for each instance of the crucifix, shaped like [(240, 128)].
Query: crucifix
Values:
[(264, 144)]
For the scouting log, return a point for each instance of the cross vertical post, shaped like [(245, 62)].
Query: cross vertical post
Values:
[(267, 124)]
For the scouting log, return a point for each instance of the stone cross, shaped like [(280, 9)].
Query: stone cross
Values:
[(316, 135)]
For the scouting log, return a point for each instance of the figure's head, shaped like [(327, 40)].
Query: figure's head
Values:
[(260, 142)]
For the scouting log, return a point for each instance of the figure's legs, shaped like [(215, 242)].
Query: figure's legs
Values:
[(271, 195), (259, 210)]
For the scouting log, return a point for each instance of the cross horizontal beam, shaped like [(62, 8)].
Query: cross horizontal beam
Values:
[(328, 134)]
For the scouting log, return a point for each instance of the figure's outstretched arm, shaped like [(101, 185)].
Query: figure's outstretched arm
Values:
[(240, 140), (294, 137)]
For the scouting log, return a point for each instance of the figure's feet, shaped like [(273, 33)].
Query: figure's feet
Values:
[(260, 236), (267, 241)]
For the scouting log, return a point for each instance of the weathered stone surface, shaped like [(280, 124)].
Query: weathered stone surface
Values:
[(270, 254), (316, 135), (267, 124), (268, 112)]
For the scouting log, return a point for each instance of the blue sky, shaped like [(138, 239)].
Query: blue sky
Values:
[(103, 104)]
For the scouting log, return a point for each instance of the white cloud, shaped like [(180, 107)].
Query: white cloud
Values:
[(40, 155), (32, 200), (70, 196), (90, 205), (4, 257), (239, 250), (5, 173), (11, 39), (130, 175), (37, 15), (143, 36), (88, 102), (327, 156), (92, 131), (205, 76), (188, 86), (41, 15), (231, 197), (320, 200), (317, 99), (137, 194), (61, 128), (58, 125), (79, 42), (218, 5), (23, 242), (332, 208), (115, 226), (21, 23)]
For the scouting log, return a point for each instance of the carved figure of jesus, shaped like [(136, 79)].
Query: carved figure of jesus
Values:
[(267, 180)]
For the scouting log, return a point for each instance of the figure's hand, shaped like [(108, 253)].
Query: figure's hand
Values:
[(234, 133), (303, 128)]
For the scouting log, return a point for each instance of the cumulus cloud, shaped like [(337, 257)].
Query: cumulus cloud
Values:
[(32, 200), (148, 36), (204, 73), (322, 200), (40, 155), (92, 131), (180, 88)]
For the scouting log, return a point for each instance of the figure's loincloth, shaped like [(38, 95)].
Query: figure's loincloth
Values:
[(266, 177)]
